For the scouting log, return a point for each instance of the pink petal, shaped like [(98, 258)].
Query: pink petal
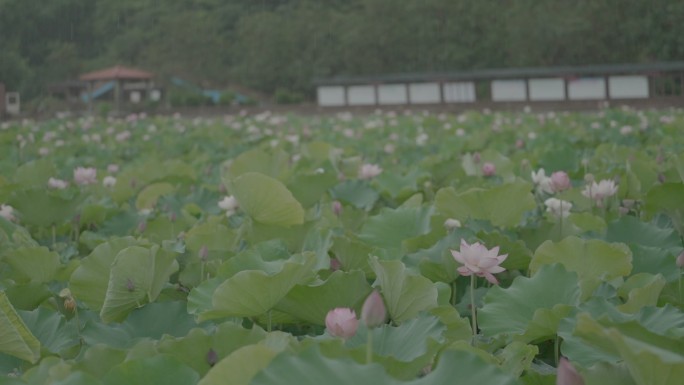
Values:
[(491, 278), (496, 269), (457, 256), (464, 271)]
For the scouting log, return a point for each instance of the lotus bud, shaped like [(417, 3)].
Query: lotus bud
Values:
[(560, 181), (69, 304), (520, 143), (488, 169), (452, 223), (373, 312), (680, 260), (142, 226), (661, 178), (567, 374), (335, 264), (476, 157), (341, 322), (337, 208), (203, 253), (212, 357)]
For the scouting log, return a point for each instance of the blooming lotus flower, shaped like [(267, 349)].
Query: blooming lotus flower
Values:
[(559, 208), (680, 260), (478, 260), (598, 191), (488, 169), (57, 183), (452, 223), (230, 204), (341, 322), (109, 181), (7, 212), (567, 374), (85, 175), (560, 181), (543, 182), (373, 312), (369, 171)]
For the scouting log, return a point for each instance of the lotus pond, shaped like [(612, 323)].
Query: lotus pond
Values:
[(390, 248)]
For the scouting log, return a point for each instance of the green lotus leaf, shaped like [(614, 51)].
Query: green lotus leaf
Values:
[(312, 302), (650, 358), (357, 193), (267, 200), (389, 228), (147, 198), (41, 207), (309, 188), (631, 230), (257, 161), (13, 236), (215, 236), (51, 329), (488, 204), (240, 366), (549, 287), (253, 292), (667, 198), (88, 283), (311, 367), (193, 348), (405, 294), (28, 296), (35, 173), (78, 378), (517, 357), (33, 264), (15, 337), (161, 369), (654, 260), (639, 291), (593, 260), (137, 276), (410, 340)]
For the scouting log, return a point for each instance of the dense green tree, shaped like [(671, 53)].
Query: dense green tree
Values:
[(285, 44)]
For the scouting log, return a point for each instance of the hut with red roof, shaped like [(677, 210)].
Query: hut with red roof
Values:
[(120, 83)]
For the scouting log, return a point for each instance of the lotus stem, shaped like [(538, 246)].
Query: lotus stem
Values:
[(54, 236), (269, 322), (369, 346), (453, 293), (473, 307), (560, 220), (556, 349)]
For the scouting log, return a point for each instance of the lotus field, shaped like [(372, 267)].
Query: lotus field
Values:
[(396, 247)]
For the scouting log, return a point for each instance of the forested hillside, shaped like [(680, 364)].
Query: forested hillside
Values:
[(271, 44)]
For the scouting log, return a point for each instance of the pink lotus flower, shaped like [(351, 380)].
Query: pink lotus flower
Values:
[(373, 312), (680, 260), (369, 171), (543, 182), (478, 260), (598, 191), (85, 175), (7, 212), (230, 204), (341, 322), (488, 169), (109, 181), (567, 374), (560, 181), (57, 183)]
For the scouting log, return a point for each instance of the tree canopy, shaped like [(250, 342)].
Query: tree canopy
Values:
[(284, 44)]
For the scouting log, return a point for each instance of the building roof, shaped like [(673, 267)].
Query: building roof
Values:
[(509, 73), (117, 72)]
